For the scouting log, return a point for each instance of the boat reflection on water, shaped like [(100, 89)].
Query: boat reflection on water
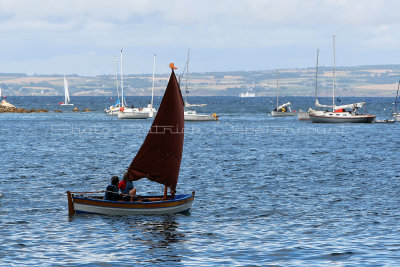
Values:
[(152, 232)]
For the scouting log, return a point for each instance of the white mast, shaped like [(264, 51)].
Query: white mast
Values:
[(187, 75), (116, 75), (277, 91), (334, 77), (122, 85), (152, 87), (316, 79)]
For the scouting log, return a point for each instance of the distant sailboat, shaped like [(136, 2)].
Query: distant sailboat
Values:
[(248, 93), (114, 109), (132, 112), (283, 110), (339, 114), (191, 114), (150, 109), (66, 94)]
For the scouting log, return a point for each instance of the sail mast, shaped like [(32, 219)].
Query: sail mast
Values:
[(152, 87), (187, 76), (277, 90), (122, 85), (116, 75), (334, 77), (316, 80), (397, 98)]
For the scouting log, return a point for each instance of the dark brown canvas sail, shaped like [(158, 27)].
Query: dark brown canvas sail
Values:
[(159, 158)]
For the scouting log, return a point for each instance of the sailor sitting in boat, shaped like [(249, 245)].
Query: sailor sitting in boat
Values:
[(127, 188), (112, 190)]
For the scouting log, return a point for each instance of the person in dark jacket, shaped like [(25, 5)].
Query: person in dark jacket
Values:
[(112, 190)]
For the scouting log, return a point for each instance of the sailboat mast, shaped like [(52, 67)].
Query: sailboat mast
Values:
[(187, 76), (122, 85), (397, 98), (316, 80), (334, 77), (116, 75), (152, 87), (277, 90)]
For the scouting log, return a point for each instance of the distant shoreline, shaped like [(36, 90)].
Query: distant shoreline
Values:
[(359, 81)]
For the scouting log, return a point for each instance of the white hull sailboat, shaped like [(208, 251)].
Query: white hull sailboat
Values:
[(339, 114), (114, 109), (66, 94), (191, 114), (137, 113)]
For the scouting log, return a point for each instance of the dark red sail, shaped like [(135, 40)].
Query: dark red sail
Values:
[(159, 158)]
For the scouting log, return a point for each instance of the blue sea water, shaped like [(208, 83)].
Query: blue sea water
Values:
[(269, 191)]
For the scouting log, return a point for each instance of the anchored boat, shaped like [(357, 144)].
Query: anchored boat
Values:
[(191, 114), (158, 160), (66, 94), (339, 114), (283, 110)]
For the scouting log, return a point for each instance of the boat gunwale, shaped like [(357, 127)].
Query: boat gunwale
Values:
[(185, 198)]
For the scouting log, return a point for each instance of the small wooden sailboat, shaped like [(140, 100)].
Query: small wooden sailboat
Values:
[(158, 160), (66, 94)]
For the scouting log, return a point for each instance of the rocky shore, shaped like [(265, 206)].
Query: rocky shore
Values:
[(20, 110), (6, 107)]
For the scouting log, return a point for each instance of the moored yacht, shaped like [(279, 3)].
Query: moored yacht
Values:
[(339, 114)]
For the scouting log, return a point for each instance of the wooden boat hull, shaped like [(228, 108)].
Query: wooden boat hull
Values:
[(96, 205), (348, 119), (282, 114)]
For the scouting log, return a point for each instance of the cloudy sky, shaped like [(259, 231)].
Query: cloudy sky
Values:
[(84, 36)]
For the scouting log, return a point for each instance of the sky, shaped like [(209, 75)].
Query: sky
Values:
[(83, 36)]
